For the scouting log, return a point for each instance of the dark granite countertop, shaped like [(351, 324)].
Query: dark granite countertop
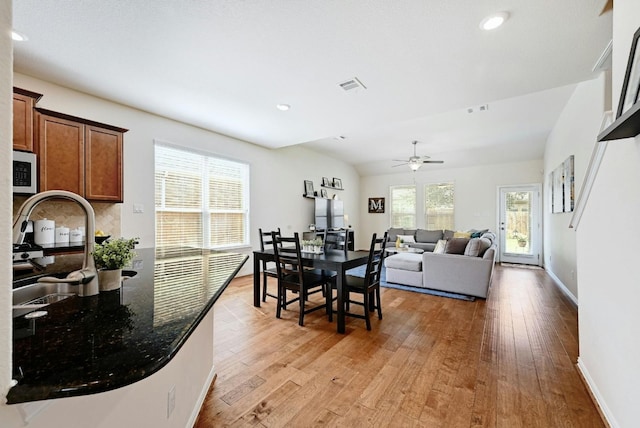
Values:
[(86, 345)]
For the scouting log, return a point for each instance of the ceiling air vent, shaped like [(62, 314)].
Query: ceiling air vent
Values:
[(352, 85)]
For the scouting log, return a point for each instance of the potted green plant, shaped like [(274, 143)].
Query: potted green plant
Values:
[(110, 257), (521, 239), (317, 245)]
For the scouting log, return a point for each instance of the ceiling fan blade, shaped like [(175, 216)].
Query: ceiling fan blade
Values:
[(432, 161), (400, 160), (400, 164)]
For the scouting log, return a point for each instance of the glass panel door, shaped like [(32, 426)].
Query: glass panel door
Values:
[(519, 224)]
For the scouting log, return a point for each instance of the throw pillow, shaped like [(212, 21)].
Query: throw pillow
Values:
[(476, 233), (476, 247), (484, 246), (448, 234), (407, 239), (440, 246), (462, 235), (456, 246)]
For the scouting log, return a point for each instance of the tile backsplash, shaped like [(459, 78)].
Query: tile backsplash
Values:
[(71, 215)]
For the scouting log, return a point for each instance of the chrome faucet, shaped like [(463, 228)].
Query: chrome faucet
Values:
[(87, 277)]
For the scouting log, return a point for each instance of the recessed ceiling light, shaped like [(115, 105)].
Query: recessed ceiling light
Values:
[(283, 107), (492, 22), (18, 37)]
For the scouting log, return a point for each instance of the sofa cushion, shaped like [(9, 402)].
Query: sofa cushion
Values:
[(448, 234), (407, 239), (404, 261), (476, 247), (423, 235), (456, 246), (393, 233), (440, 246), (425, 246)]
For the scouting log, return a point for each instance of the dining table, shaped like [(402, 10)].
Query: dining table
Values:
[(339, 261)]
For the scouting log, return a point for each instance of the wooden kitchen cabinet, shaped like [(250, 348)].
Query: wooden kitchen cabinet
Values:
[(23, 104), (80, 156), (61, 154), (103, 164)]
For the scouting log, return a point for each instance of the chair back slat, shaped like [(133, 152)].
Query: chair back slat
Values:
[(266, 238), (337, 240), (288, 258), (375, 261)]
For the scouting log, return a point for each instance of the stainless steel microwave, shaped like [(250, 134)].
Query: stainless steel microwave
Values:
[(25, 179)]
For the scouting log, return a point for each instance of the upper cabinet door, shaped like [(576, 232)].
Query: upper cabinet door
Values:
[(103, 164), (61, 154), (23, 104)]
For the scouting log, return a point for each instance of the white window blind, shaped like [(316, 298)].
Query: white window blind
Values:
[(403, 206), (439, 206), (201, 201)]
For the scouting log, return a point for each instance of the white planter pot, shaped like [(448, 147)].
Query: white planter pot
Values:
[(110, 279)]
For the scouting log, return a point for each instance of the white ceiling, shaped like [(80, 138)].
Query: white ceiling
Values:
[(223, 65)]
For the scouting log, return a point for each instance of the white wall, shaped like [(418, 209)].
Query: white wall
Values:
[(575, 133), (608, 274), (6, 66), (277, 176), (475, 192)]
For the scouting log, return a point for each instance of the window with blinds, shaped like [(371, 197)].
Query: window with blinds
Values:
[(201, 201), (439, 206), (403, 206)]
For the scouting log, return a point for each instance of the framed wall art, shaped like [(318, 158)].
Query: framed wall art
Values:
[(376, 205), (631, 83), (308, 188), (562, 180)]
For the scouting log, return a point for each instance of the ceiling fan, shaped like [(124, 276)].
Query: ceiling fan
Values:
[(415, 161)]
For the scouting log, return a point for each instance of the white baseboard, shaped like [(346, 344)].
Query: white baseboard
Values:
[(563, 287), (595, 393), (203, 394)]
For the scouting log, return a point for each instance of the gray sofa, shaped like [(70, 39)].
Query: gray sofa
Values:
[(466, 272), (424, 239)]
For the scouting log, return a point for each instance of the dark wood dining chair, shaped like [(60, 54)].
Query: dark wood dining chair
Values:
[(268, 268), (293, 277), (336, 240), (369, 286)]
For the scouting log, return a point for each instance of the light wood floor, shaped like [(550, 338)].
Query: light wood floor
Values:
[(508, 361)]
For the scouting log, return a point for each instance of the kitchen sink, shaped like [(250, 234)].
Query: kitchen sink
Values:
[(38, 295)]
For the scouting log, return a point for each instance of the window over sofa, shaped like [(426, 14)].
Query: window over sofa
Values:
[(439, 206), (403, 206)]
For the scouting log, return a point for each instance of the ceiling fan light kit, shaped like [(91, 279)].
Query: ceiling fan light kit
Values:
[(415, 161)]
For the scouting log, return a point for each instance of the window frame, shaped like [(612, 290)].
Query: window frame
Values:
[(415, 205), (205, 211), (425, 201)]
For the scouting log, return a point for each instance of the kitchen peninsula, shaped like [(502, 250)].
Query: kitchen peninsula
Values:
[(89, 345)]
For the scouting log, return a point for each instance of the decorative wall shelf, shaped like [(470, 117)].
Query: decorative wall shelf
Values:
[(626, 126), (331, 187)]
